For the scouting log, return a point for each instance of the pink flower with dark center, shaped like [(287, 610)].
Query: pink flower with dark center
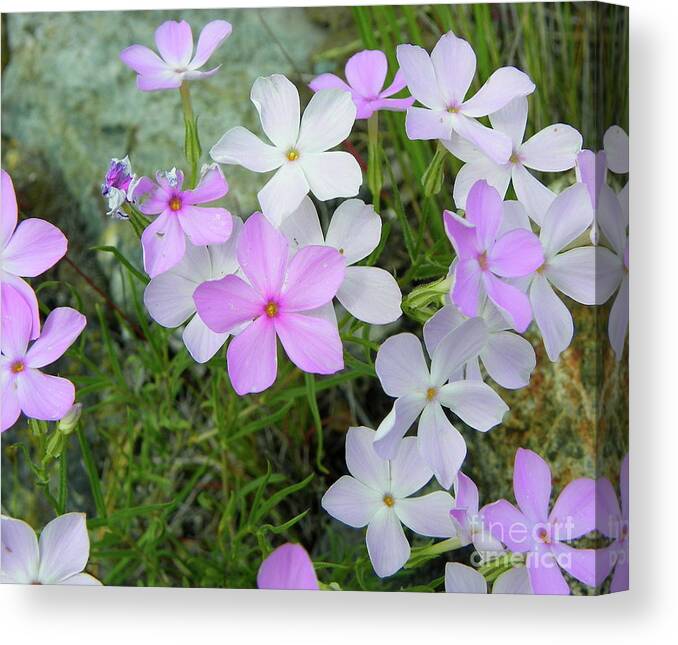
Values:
[(277, 301), (24, 387), (176, 62), (26, 251), (484, 261), (365, 76), (288, 567), (541, 535), (164, 241)]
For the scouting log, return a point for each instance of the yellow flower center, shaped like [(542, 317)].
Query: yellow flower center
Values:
[(175, 204), (271, 309), (453, 109), (293, 155), (18, 367), (431, 393), (514, 158), (482, 261), (388, 500), (543, 536)]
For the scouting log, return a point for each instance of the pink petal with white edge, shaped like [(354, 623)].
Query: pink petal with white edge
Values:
[(13, 290), (516, 254), (460, 578), (224, 304), (332, 174), (283, 192), (352, 502), (277, 101), (427, 515), (166, 81), (574, 512), (417, 68), (508, 525), (475, 403), (174, 41), (396, 85), (462, 234), (8, 208), (454, 62), (16, 324), (288, 567), (362, 462), (61, 329), (201, 342), (313, 276), (329, 82), (212, 186), (206, 225), (164, 244), (44, 397), (468, 287), (532, 484), (553, 149), (370, 294), (354, 230), (484, 209), (387, 545), (144, 61), (252, 358), (212, 35), (492, 143), (440, 444), (545, 575), (513, 303), (64, 548), (552, 317), (580, 563), (408, 470), (401, 366), (327, 121), (504, 85), (240, 146), (20, 553), (312, 344), (35, 246)]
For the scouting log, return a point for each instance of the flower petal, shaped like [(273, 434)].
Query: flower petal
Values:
[(64, 548), (511, 120), (288, 567), (387, 546), (509, 359), (513, 303), (212, 186), (351, 502), (201, 342), (532, 485), (225, 304), (456, 348), (574, 512), (454, 63), (441, 444), (240, 146), (16, 292), (277, 101), (212, 35), (370, 294), (568, 217), (82, 579), (462, 234), (545, 575), (396, 85), (164, 244), (252, 358), (460, 578), (329, 82), (504, 85), (425, 124), (440, 324), (610, 217), (354, 230), (475, 403), (516, 254), (19, 549), (8, 208), (553, 149), (168, 80), (16, 324), (205, 225), (400, 365), (618, 323), (61, 329), (574, 273), (332, 174), (313, 276), (35, 246), (327, 121), (399, 420), (427, 515), (283, 192), (408, 470), (616, 146), (417, 68), (44, 397), (144, 61), (497, 176), (579, 563), (363, 463), (513, 581), (492, 143), (302, 227), (366, 72), (312, 344), (9, 402), (532, 194), (552, 317), (484, 209), (468, 287), (508, 525), (174, 41)]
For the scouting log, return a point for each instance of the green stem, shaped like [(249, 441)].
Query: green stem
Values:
[(432, 179), (186, 104), (191, 139), (374, 178)]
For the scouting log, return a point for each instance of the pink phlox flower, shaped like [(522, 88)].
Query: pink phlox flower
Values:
[(486, 258), (365, 76), (26, 251), (275, 300), (176, 62), (440, 83), (460, 578), (542, 536), (24, 387), (288, 567), (180, 216)]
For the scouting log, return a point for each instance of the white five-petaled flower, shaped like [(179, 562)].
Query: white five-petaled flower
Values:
[(169, 296), (377, 495), (553, 149), (59, 558), (404, 374), (299, 151), (440, 83), (368, 293), (460, 578)]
